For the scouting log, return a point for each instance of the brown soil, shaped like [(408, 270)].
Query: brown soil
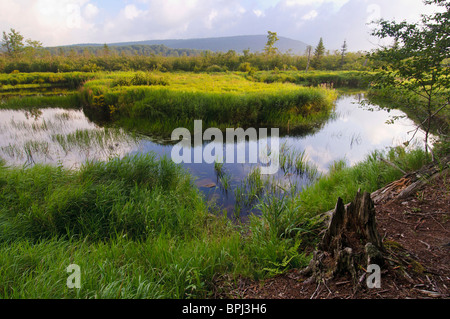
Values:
[(416, 235)]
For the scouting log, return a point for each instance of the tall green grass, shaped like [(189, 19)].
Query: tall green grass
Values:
[(295, 162), (68, 101), (369, 175), (118, 269), (41, 89), (353, 79), (72, 80), (137, 197), (289, 222), (219, 100), (138, 228)]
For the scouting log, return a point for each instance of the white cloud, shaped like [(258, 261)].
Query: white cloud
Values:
[(211, 17), (53, 22), (131, 12), (337, 3), (58, 22), (258, 13), (90, 11), (310, 15)]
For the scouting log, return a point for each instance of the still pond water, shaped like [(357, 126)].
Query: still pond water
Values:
[(69, 138)]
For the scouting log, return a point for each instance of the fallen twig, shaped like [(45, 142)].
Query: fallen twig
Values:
[(428, 245)]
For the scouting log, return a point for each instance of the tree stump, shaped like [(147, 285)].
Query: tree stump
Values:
[(350, 243)]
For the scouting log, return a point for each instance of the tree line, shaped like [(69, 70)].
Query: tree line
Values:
[(31, 56)]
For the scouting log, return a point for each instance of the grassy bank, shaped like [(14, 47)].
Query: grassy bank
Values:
[(45, 89), (139, 229), (72, 80), (337, 79), (67, 101), (161, 102), (135, 227)]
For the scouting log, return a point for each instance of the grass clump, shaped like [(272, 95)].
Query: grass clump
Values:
[(369, 175), (68, 101), (295, 162), (134, 196), (337, 79), (136, 226), (72, 80), (139, 229), (220, 100), (139, 78)]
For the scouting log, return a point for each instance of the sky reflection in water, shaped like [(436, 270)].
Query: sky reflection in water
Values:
[(67, 137)]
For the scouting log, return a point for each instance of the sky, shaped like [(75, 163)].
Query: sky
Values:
[(63, 22)]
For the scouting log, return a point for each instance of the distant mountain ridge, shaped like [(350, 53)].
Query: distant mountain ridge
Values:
[(254, 43)]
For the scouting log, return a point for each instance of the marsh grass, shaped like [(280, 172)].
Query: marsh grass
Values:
[(256, 188), (369, 175), (48, 145), (220, 100), (69, 101), (41, 147), (101, 200), (347, 79), (296, 162), (72, 80), (248, 192), (139, 229), (223, 176), (38, 90), (136, 226), (159, 102), (106, 138), (218, 168), (285, 221), (139, 78), (34, 127), (225, 180)]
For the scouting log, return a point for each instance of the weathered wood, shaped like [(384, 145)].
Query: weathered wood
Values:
[(419, 184), (351, 239), (409, 184)]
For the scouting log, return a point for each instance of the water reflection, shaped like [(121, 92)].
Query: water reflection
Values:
[(58, 136), (68, 137), (350, 135)]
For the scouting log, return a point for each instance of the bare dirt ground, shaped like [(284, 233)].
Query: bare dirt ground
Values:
[(416, 235)]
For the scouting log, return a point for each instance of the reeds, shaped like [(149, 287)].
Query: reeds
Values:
[(70, 101), (71, 80), (353, 79), (219, 100), (49, 137), (139, 229), (295, 162)]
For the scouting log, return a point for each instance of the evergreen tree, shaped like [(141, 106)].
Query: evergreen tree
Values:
[(318, 55), (343, 53), (106, 50)]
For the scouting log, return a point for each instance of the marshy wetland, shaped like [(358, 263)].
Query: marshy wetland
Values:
[(70, 136), (86, 173)]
